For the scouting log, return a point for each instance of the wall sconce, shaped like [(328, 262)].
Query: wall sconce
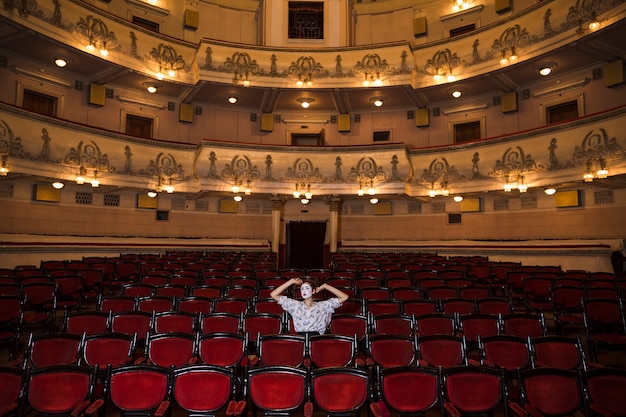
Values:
[(58, 185), (458, 5), (438, 189), (517, 183), (95, 182), (373, 200), (377, 101), (303, 190), (237, 198), (152, 193), (458, 198), (305, 102), (232, 99), (456, 93), (151, 87), (4, 166), (508, 56), (373, 68), (549, 190), (601, 173), (80, 179)]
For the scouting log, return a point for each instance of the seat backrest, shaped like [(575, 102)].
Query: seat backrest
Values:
[(196, 305), (276, 389), (132, 322), (11, 380), (52, 349), (124, 383), (392, 350), (331, 350), (231, 305), (116, 304), (554, 392), (524, 324), (398, 386), (282, 349), (157, 303), (261, 323), (393, 323), (605, 389), (561, 352), (478, 324), (222, 349), (104, 349), (192, 383), (167, 349), (174, 321), (441, 350), (504, 351), (475, 389), (349, 325), (436, 323), (220, 323), (340, 390), (43, 393)]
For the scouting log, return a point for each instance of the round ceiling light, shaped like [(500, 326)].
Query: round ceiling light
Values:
[(305, 102), (58, 185), (457, 93), (232, 99), (60, 62)]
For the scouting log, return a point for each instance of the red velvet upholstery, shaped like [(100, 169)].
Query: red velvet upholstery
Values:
[(349, 325), (606, 390), (261, 323), (174, 321), (276, 388), (192, 383), (138, 387), (441, 350), (59, 389), (558, 352), (524, 325), (10, 389), (472, 389), (436, 323), (390, 351), (113, 349), (339, 390), (332, 350), (167, 349), (282, 349), (89, 322), (52, 349), (553, 392), (394, 323), (220, 323), (222, 349), (399, 385)]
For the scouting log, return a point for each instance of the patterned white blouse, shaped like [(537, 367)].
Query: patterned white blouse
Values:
[(313, 319)]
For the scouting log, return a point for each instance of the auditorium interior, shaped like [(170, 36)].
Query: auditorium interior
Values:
[(168, 162)]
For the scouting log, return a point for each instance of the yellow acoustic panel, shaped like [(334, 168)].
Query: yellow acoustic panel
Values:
[(508, 103), (382, 208), (145, 202), (422, 117), (343, 122), (192, 19), (419, 26), (267, 122), (185, 112), (470, 204), (503, 6), (229, 206), (570, 198), (614, 73), (97, 94), (45, 192)]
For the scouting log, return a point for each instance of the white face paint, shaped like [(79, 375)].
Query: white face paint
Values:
[(306, 291)]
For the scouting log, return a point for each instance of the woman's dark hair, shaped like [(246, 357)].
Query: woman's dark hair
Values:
[(313, 281)]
